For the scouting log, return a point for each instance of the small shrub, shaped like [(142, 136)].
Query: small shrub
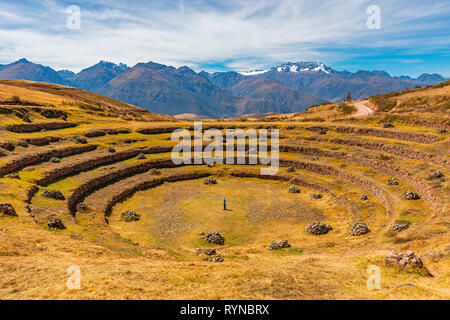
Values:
[(346, 108), (16, 99), (383, 103)]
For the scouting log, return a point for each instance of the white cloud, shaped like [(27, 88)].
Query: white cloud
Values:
[(244, 34)]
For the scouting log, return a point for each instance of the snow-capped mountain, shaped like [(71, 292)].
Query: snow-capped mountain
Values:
[(293, 67), (303, 67)]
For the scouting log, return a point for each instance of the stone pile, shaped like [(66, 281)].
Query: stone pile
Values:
[(318, 228), (410, 195), (140, 156), (53, 194), (294, 189), (359, 229), (210, 255), (210, 181), (436, 175), (363, 197), (316, 196), (398, 227), (8, 209), (55, 160), (290, 169), (129, 216), (392, 182), (111, 150), (55, 223), (215, 237), (407, 261), (273, 245)]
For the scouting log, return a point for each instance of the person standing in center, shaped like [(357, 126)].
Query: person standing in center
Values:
[(224, 204)]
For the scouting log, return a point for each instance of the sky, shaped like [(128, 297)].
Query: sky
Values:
[(412, 37)]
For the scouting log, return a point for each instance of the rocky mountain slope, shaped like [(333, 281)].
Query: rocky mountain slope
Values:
[(288, 88)]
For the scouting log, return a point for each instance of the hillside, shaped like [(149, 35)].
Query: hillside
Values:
[(61, 100), (87, 183)]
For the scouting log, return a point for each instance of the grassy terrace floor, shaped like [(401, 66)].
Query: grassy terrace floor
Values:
[(155, 257)]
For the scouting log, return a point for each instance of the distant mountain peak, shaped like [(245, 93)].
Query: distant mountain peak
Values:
[(304, 66), (431, 78), (23, 60), (112, 65)]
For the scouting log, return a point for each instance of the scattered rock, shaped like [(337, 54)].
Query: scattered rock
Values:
[(55, 223), (363, 197), (55, 160), (208, 252), (410, 195), (215, 237), (7, 146), (359, 229), (294, 189), (314, 158), (214, 258), (80, 140), (436, 175), (407, 261), (141, 156), (201, 233), (22, 144), (53, 194), (8, 209), (392, 182), (279, 245), (398, 227), (129, 216), (210, 181), (81, 207), (155, 172), (13, 175), (316, 196), (387, 125), (290, 169), (318, 228), (327, 245), (441, 130), (111, 150)]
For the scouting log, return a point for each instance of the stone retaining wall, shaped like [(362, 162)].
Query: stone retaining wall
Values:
[(76, 168), (124, 194), (399, 151), (96, 183), (36, 158), (407, 136), (36, 127)]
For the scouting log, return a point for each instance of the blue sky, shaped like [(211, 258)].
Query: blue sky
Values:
[(230, 35)]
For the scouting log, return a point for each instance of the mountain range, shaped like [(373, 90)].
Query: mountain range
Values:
[(290, 87)]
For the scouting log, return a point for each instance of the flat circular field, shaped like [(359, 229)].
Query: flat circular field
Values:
[(174, 215)]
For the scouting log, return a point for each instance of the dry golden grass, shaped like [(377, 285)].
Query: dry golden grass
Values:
[(154, 258)]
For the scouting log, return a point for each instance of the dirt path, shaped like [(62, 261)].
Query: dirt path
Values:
[(363, 109)]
